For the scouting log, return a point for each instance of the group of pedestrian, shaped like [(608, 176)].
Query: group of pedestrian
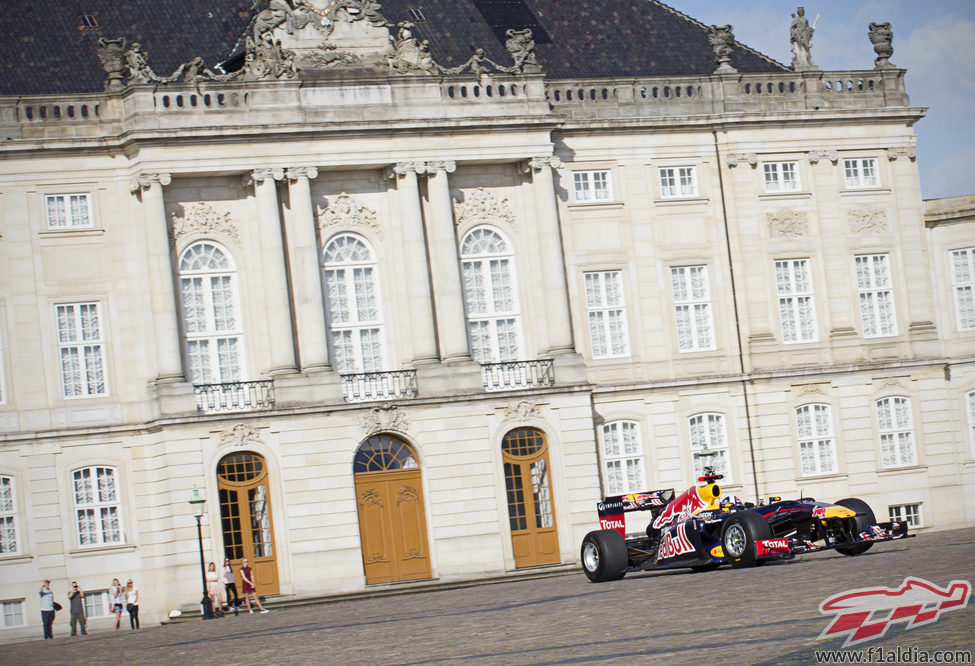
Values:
[(119, 598), (221, 584)]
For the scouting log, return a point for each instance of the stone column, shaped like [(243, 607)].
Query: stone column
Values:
[(304, 256), (445, 265), (423, 334), (165, 320), (280, 342), (553, 265)]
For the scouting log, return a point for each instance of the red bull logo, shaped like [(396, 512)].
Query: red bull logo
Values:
[(674, 544), (866, 614), (687, 504)]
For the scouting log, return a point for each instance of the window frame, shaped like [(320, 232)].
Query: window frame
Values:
[(3, 613), (708, 432), (959, 289), (68, 212), (888, 438), (816, 438), (96, 600), (901, 513), (97, 506), (9, 516), (690, 306), (878, 296), (593, 192), (623, 457), (493, 318), (86, 375), (777, 170), (970, 408), (855, 173), (790, 302), (614, 347), (671, 181)]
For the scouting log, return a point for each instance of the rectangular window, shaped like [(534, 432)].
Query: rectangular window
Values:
[(97, 506), (876, 295), (781, 176), (13, 613), (963, 285), (970, 408), (677, 182), (906, 513), (8, 517), (797, 311), (81, 349), (623, 457), (67, 211), (814, 426), (607, 314), (709, 444), (591, 186), (861, 173), (895, 426), (96, 604), (692, 308)]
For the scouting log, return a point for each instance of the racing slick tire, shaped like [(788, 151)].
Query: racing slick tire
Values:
[(604, 556), (864, 518), (738, 537)]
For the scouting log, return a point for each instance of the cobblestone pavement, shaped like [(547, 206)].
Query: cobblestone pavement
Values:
[(763, 615)]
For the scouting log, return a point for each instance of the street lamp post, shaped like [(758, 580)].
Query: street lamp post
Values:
[(197, 503)]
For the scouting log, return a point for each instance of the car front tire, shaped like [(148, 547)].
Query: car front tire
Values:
[(864, 518), (738, 537)]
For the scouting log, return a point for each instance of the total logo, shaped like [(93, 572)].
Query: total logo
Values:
[(674, 543), (607, 524)]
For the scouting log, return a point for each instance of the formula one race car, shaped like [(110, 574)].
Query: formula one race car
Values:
[(701, 532)]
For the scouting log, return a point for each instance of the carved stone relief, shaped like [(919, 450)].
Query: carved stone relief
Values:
[(866, 219), (521, 411), (814, 156), (240, 435), (734, 159), (344, 212), (379, 419), (480, 205), (203, 218), (901, 151), (785, 223)]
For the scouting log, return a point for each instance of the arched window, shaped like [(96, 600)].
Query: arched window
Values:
[(382, 453), (709, 444), (896, 429), (211, 317), (623, 457), (814, 427), (493, 321), (353, 304)]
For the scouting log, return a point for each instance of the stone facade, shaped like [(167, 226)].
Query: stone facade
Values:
[(270, 169)]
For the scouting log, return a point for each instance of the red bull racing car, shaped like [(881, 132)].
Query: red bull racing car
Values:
[(699, 531)]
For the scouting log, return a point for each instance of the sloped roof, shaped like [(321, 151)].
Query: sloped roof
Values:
[(44, 49)]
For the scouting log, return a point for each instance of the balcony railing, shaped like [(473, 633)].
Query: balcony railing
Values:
[(387, 385), (234, 396), (513, 375)]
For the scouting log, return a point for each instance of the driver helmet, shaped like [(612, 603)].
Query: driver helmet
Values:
[(732, 500)]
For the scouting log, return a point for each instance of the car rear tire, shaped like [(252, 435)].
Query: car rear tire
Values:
[(863, 519), (738, 537), (604, 556)]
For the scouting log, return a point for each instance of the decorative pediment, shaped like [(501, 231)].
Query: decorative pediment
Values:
[(866, 219), (240, 435), (481, 206), (380, 419), (344, 212), (202, 218), (521, 411), (785, 223)]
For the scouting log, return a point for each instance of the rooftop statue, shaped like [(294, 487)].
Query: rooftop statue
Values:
[(278, 12), (800, 34), (521, 45), (411, 55), (722, 39), (881, 37)]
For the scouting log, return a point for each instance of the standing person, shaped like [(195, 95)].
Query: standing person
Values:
[(47, 609), (230, 583), (248, 588), (132, 603), (115, 597), (77, 599), (214, 587)]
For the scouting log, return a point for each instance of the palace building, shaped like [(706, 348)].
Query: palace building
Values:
[(403, 289)]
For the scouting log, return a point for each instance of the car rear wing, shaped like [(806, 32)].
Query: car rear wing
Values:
[(612, 509)]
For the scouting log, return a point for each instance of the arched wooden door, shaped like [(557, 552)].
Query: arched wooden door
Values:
[(392, 522), (245, 515), (531, 515)]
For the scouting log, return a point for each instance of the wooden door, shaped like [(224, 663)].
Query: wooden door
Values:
[(245, 516), (531, 514), (392, 521)]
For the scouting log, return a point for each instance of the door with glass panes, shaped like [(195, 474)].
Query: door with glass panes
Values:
[(245, 516), (531, 514)]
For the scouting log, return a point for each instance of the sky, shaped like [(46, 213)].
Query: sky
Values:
[(933, 40)]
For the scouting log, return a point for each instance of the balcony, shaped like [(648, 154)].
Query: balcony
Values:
[(387, 385), (514, 375), (234, 397)]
